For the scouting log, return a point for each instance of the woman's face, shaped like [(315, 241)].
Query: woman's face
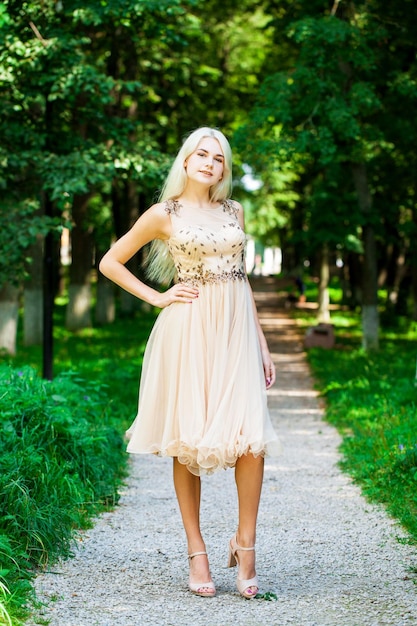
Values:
[(206, 163)]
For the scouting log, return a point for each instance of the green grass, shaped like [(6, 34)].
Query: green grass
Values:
[(110, 355), (372, 400), (62, 454)]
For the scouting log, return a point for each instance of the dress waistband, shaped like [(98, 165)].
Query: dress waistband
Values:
[(207, 277)]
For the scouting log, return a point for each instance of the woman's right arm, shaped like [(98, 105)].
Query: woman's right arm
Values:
[(155, 223)]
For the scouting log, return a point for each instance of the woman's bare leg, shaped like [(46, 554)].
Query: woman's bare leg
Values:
[(249, 474), (188, 491)]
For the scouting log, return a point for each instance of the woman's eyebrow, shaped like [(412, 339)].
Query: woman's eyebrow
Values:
[(206, 151)]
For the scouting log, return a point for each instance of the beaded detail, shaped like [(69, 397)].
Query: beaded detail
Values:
[(230, 207), (172, 206), (208, 277), (207, 246)]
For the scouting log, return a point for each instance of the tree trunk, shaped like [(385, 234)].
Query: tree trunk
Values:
[(9, 310), (105, 312), (370, 317), (354, 295), (414, 288), (125, 207), (413, 268), (394, 273), (323, 314), (33, 297), (78, 314)]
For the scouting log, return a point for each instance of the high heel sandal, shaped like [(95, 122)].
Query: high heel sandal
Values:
[(206, 590), (244, 586)]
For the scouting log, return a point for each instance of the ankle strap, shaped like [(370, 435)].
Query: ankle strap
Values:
[(238, 547), (242, 548), (191, 556)]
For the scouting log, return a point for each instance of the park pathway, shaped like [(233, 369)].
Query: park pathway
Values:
[(331, 558)]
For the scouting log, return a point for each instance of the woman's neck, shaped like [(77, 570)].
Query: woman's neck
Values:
[(194, 197)]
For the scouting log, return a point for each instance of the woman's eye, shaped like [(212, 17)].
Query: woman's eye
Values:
[(204, 155)]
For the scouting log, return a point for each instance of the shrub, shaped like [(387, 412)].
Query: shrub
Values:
[(61, 460)]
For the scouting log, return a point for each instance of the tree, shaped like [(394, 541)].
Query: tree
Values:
[(57, 136), (328, 112), (21, 228)]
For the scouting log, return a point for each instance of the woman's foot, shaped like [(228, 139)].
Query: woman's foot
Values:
[(200, 571), (244, 557)]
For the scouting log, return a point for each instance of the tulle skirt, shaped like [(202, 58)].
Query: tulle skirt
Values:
[(202, 394)]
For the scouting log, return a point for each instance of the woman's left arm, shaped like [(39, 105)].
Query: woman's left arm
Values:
[(268, 364)]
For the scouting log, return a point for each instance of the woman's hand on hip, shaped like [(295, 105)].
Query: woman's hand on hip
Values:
[(180, 292)]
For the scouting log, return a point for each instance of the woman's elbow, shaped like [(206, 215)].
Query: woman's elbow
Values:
[(103, 266)]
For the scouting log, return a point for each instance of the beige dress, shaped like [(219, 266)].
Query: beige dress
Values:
[(202, 393)]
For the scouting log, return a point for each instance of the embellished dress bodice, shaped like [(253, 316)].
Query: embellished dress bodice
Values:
[(202, 395), (207, 245)]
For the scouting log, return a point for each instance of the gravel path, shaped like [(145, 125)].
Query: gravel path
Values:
[(331, 558)]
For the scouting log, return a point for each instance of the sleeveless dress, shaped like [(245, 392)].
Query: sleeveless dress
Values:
[(202, 394)]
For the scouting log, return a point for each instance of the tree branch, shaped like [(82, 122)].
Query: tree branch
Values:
[(334, 7), (37, 34)]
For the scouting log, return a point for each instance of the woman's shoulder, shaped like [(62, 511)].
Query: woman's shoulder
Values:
[(154, 221), (163, 209)]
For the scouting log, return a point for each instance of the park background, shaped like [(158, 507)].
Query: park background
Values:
[(319, 101)]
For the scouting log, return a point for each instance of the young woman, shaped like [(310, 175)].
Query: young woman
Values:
[(206, 367)]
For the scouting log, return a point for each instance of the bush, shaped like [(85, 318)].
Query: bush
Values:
[(62, 459)]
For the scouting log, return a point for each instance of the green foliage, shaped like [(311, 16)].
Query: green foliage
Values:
[(15, 568), (20, 225), (65, 118), (4, 17), (372, 399), (61, 460), (96, 98), (71, 442), (4, 613), (339, 90), (269, 596), (313, 119)]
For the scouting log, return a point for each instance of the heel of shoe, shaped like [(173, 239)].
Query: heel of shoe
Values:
[(232, 558)]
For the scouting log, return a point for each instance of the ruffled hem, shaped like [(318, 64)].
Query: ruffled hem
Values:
[(202, 460)]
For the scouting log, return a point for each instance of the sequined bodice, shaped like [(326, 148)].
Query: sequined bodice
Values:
[(207, 245)]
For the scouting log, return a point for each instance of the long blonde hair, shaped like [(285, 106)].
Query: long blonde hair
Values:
[(160, 266)]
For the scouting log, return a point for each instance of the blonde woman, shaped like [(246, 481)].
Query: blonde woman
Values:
[(207, 366)]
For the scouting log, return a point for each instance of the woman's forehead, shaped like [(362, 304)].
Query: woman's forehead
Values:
[(210, 144)]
